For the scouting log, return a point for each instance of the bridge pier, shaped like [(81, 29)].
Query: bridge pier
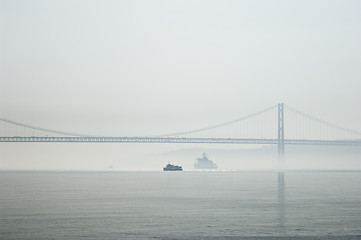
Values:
[(281, 136)]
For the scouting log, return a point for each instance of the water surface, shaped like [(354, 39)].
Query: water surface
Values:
[(180, 205)]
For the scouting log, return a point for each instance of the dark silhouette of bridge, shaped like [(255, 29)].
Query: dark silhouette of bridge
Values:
[(279, 124)]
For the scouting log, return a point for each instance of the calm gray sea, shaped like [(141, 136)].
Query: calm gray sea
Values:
[(180, 205)]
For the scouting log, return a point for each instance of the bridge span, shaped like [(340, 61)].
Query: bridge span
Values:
[(279, 124), (273, 125)]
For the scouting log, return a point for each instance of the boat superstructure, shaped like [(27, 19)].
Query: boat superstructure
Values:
[(171, 167), (204, 163)]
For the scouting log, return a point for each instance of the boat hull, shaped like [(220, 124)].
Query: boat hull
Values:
[(204, 167), (165, 169)]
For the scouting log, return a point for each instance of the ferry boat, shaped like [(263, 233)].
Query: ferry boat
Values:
[(204, 163), (171, 167)]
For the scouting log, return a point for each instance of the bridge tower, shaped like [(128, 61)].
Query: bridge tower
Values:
[(281, 136)]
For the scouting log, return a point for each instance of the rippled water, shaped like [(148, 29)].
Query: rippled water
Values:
[(180, 205)]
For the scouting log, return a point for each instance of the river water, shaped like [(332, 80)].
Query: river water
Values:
[(180, 205)]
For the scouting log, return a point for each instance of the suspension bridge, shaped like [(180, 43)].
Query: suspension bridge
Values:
[(279, 124)]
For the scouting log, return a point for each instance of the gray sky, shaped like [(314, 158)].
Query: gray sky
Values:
[(152, 67)]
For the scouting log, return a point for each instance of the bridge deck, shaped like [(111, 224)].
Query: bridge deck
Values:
[(180, 140)]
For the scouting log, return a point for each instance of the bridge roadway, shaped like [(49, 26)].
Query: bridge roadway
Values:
[(180, 140)]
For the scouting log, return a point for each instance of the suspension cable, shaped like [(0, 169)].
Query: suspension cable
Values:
[(323, 122), (42, 129), (218, 125)]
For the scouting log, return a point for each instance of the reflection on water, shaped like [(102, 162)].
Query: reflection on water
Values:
[(281, 200)]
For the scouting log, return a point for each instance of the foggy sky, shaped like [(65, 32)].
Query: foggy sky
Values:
[(152, 67), (148, 67)]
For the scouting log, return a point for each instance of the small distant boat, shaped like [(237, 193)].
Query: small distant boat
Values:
[(204, 163), (171, 167)]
